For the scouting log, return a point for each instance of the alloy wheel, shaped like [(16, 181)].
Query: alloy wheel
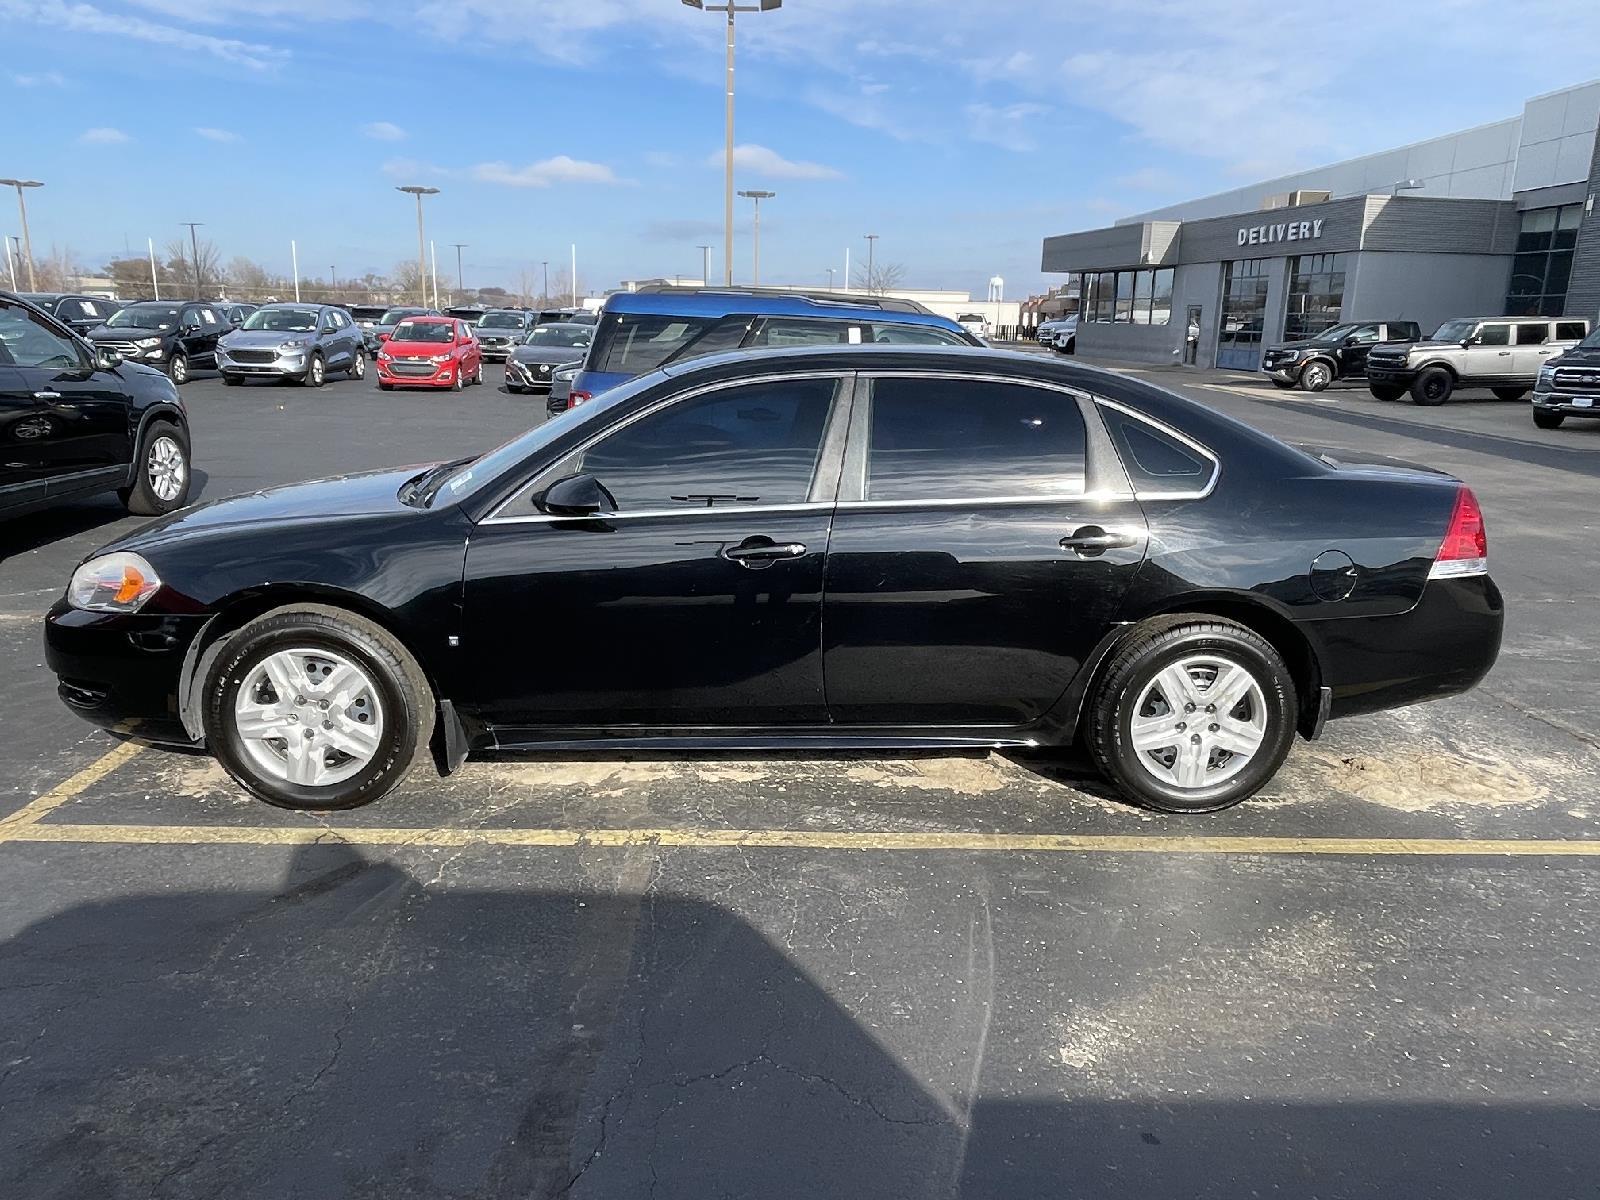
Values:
[(309, 717), (1315, 377), (359, 368), (166, 468), (180, 369), (1199, 722), (316, 371)]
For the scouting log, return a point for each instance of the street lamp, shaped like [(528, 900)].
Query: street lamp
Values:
[(830, 278), (872, 247), (194, 247), (461, 284), (758, 197), (705, 265), (422, 245), (731, 9), (22, 208), (545, 299)]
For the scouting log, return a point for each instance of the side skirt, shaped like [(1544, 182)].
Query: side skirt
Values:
[(799, 738)]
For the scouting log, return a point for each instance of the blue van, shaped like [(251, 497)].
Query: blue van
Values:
[(640, 331)]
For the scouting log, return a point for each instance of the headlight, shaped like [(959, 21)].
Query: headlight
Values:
[(293, 344), (148, 343), (439, 358), (114, 583)]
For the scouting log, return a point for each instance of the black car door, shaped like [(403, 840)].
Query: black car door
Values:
[(208, 324), (697, 601), (21, 470), (1353, 353), (980, 549)]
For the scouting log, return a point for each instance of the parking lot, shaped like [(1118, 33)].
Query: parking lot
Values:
[(943, 974)]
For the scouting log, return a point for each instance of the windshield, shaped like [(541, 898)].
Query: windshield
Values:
[(1333, 334), (395, 315), (501, 321), (145, 316), (1592, 342), (558, 335), (284, 320), (420, 331), (1454, 331)]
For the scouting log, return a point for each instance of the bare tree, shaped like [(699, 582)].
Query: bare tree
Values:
[(58, 271), (406, 282), (883, 277), (131, 276), (181, 262), (249, 280)]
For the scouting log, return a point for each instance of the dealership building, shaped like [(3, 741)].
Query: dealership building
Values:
[(1500, 219)]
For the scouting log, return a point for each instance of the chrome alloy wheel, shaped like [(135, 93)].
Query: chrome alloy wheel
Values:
[(166, 468), (308, 717), (358, 368), (1199, 722)]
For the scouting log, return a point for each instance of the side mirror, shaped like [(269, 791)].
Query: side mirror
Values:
[(1471, 339), (106, 359), (383, 337), (576, 496)]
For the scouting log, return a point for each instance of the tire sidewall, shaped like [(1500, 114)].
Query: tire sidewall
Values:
[(1277, 689), (1316, 377), (290, 631), (141, 498), (316, 371), (178, 375), (1419, 388)]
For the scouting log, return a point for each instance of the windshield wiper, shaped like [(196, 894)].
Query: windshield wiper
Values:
[(419, 489)]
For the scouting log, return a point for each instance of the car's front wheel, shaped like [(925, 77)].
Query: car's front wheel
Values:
[(1193, 714), (178, 369), (318, 709), (162, 483), (1432, 387), (316, 371), (358, 365), (1548, 420), (1316, 377)]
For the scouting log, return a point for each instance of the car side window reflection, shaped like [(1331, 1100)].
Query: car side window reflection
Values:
[(756, 444), (24, 342), (961, 439)]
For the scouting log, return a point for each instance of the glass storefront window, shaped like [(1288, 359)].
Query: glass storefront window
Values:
[(1128, 297), (1161, 300), (1244, 310), (1141, 297), (1124, 313), (1316, 295), (1542, 268)]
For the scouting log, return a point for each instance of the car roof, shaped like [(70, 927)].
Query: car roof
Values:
[(722, 302)]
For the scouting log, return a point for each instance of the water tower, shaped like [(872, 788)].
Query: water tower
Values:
[(997, 289)]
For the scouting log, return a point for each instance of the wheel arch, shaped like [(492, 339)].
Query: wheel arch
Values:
[(1326, 360), (1443, 364), (161, 410)]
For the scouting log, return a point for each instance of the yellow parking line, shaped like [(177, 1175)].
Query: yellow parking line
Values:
[(67, 789), (790, 839)]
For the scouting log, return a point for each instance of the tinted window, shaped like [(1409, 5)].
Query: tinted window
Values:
[(1494, 335), (1566, 331), (1155, 461), (1532, 335), (958, 439), (915, 335), (1364, 334), (27, 342), (792, 331), (1403, 331), (632, 344), (750, 445)]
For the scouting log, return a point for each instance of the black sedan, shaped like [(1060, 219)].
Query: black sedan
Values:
[(531, 362), (852, 547)]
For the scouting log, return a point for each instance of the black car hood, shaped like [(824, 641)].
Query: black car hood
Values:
[(1304, 344), (124, 333), (373, 493), (1579, 356), (549, 354)]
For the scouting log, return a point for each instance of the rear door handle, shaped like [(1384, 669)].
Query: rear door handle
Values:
[(1090, 541), (757, 552)]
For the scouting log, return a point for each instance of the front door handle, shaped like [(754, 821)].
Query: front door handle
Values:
[(757, 552), (1089, 541)]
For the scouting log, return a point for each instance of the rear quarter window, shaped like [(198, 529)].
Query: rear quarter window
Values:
[(1567, 331), (1155, 460)]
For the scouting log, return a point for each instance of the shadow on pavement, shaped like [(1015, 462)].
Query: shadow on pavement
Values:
[(358, 1032), (73, 517)]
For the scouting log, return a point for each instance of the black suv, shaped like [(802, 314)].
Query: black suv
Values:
[(78, 313), (76, 420), (177, 336), (1336, 353), (1569, 385)]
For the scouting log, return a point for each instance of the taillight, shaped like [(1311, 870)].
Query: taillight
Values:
[(576, 398), (1465, 550)]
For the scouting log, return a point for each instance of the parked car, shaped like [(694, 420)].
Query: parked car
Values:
[(974, 323), (1569, 385), (532, 364), (178, 336), (235, 314), (1060, 334), (561, 379), (75, 420), (500, 329), (1339, 352), (470, 313), (367, 315), (78, 313), (433, 352), (385, 325), (659, 325), (1180, 591), (1503, 354), (302, 342)]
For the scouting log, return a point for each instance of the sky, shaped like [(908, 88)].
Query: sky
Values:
[(962, 132)]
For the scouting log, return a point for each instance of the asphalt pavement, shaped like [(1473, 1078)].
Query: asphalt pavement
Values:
[(973, 975)]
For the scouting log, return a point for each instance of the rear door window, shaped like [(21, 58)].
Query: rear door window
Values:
[(1533, 335), (961, 439), (634, 343)]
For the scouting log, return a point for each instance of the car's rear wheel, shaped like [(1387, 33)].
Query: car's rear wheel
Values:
[(1432, 387), (358, 366), (1386, 391), (317, 709), (178, 369), (1548, 420), (1193, 714), (1316, 376), (162, 485), (316, 371), (1510, 393)]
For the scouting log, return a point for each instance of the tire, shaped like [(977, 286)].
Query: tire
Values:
[(1510, 393), (385, 387), (1132, 686), (478, 378), (388, 693), (1548, 420), (358, 366), (178, 369), (515, 389), (231, 380), (1432, 387), (1283, 385), (163, 481), (316, 371), (1386, 391), (1070, 348), (1315, 376), (456, 383)]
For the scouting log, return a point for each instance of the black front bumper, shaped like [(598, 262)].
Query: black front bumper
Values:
[(115, 670), (1566, 403), (1397, 376)]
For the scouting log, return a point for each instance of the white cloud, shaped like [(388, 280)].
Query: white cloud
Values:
[(560, 169), (1149, 179), (104, 136), (384, 131), (62, 17), (40, 79), (1009, 126), (216, 135), (759, 160)]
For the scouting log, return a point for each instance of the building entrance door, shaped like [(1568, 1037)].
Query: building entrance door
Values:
[(1191, 336)]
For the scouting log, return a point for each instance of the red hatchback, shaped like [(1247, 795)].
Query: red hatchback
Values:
[(429, 352)]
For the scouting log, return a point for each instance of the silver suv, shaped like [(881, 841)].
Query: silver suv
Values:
[(1503, 354)]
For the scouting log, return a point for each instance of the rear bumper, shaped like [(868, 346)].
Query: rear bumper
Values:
[(1443, 646), (116, 670)]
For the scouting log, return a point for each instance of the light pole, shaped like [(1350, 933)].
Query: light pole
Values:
[(872, 246), (731, 8), (545, 299), (830, 278), (194, 247), (333, 282), (422, 244), (22, 209), (758, 197), (461, 284), (705, 265)]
